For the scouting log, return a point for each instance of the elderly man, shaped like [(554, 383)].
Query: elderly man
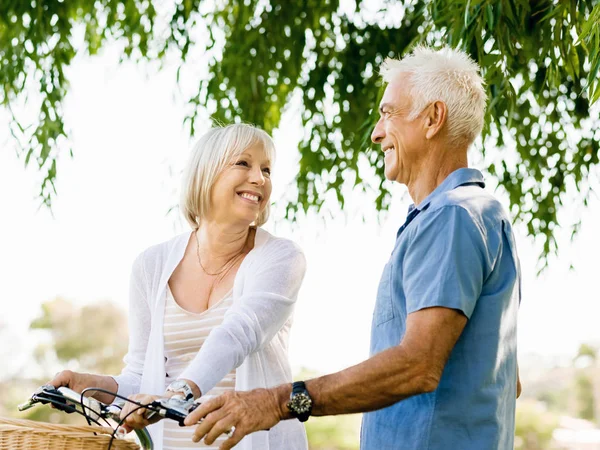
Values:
[(443, 370)]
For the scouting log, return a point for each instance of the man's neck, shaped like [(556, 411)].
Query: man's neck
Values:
[(218, 241), (433, 172)]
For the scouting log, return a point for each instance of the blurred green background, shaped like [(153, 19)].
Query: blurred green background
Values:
[(559, 407)]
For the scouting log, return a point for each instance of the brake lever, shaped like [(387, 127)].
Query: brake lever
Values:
[(48, 394)]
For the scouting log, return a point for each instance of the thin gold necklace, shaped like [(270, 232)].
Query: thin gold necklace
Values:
[(228, 265)]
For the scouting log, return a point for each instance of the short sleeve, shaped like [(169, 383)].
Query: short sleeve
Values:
[(446, 261)]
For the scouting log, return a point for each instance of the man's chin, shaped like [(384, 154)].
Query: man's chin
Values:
[(390, 175)]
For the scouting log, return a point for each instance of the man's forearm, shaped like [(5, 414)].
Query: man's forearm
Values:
[(380, 381)]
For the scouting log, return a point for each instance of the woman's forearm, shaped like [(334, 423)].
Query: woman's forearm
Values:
[(104, 382)]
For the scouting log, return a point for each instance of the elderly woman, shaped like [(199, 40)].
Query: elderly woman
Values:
[(210, 310)]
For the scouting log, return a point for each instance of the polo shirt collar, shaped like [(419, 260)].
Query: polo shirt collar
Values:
[(457, 178)]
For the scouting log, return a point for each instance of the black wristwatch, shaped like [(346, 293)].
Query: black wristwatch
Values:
[(300, 404)]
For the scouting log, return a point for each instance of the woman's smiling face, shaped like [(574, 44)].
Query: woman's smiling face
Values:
[(243, 189)]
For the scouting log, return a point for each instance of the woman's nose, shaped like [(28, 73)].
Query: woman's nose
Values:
[(257, 177)]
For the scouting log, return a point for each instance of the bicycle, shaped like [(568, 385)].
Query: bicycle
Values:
[(69, 401)]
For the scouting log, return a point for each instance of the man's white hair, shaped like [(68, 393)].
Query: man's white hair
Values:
[(446, 75)]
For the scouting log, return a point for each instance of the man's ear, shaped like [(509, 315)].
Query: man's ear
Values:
[(435, 118)]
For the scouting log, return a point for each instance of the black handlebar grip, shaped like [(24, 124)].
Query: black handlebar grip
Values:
[(177, 416), (49, 394)]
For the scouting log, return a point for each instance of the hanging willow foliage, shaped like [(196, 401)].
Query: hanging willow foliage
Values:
[(540, 60)]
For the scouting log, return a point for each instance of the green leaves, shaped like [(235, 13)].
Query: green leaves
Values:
[(540, 60), (36, 46), (590, 35)]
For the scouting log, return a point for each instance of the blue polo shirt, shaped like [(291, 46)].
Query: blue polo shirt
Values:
[(456, 250)]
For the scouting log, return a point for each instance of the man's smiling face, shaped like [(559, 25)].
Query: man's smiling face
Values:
[(401, 139)]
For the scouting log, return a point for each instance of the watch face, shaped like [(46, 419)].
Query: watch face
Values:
[(181, 387), (301, 403), (178, 384)]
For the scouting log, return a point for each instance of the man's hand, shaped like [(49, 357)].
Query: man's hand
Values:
[(245, 412), (138, 419)]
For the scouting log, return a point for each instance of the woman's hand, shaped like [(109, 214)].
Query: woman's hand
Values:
[(80, 381), (137, 419)]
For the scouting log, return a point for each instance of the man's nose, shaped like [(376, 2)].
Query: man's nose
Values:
[(378, 133)]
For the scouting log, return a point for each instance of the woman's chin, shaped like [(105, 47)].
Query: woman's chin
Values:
[(245, 219), (246, 213)]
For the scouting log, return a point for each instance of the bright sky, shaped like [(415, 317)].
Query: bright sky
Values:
[(112, 203)]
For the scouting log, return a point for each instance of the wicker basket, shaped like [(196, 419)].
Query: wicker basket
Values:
[(18, 434)]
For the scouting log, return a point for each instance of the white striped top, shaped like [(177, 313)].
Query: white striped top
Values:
[(184, 334), (253, 339)]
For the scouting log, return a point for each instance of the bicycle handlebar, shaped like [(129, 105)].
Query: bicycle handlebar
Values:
[(69, 401)]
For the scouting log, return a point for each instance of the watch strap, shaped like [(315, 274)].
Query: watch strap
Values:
[(298, 387)]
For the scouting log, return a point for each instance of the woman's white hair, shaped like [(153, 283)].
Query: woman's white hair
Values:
[(211, 154), (446, 75)]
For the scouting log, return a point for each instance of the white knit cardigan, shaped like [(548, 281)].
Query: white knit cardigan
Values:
[(253, 337)]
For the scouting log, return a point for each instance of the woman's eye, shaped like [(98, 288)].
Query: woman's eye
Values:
[(267, 170), (241, 163)]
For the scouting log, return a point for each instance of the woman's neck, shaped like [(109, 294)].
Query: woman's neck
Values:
[(218, 242)]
